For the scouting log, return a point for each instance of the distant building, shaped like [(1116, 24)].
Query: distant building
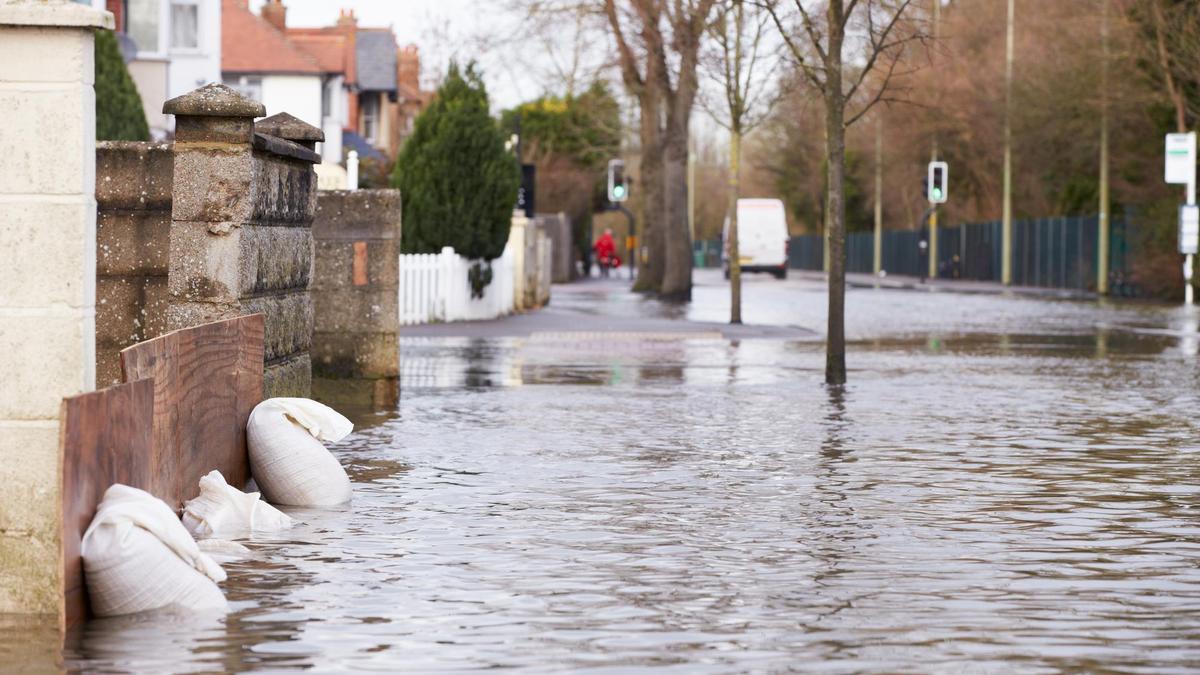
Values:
[(381, 82), (353, 82), (171, 48), (260, 61)]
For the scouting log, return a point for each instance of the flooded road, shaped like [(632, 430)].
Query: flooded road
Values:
[(1006, 485)]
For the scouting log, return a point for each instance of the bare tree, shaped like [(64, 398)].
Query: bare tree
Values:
[(658, 45), (744, 72), (1175, 29), (880, 32)]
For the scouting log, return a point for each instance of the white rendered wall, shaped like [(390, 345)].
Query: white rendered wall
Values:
[(331, 149), (194, 68), (296, 95)]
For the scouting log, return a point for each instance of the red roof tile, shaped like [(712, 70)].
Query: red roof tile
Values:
[(327, 50), (251, 45)]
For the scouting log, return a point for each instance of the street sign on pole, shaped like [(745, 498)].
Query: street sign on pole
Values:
[(1180, 163), (1189, 229), (525, 193), (1180, 168)]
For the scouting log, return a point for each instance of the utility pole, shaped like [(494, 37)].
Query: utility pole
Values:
[(933, 157), (878, 264), (691, 183), (1102, 237), (1006, 216)]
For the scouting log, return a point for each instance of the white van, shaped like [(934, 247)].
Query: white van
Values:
[(762, 237)]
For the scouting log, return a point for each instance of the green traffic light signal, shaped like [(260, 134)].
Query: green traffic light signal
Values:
[(618, 191), (937, 193)]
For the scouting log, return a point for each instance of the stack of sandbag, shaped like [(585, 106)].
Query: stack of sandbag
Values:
[(137, 556), (223, 510), (288, 460)]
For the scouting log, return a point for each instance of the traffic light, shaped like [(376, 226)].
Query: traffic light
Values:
[(937, 182), (618, 185)]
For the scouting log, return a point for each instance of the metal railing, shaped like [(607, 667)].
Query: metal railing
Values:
[(1047, 252)]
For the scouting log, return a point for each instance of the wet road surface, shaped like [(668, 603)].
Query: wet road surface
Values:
[(1006, 485)]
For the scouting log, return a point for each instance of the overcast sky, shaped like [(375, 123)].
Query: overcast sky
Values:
[(443, 29)]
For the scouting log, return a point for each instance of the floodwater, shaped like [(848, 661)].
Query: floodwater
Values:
[(1006, 485)]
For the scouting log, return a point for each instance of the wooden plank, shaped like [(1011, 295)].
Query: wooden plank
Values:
[(207, 380), (106, 436)]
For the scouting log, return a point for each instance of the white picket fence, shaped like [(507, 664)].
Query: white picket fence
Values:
[(434, 287)]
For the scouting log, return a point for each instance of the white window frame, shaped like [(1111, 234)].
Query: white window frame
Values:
[(199, 48), (371, 136), (164, 33), (243, 82)]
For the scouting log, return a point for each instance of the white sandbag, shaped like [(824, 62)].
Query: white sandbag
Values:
[(222, 509), (287, 459), (223, 550), (137, 556)]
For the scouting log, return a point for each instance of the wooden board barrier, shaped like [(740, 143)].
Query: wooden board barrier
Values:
[(105, 439), (181, 413), (207, 380)]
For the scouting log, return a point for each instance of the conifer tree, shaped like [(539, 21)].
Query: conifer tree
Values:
[(119, 114), (458, 183)]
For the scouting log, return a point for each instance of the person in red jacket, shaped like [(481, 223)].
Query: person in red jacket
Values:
[(606, 252)]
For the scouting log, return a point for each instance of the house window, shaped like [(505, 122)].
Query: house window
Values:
[(141, 20), (370, 117), (246, 85), (185, 25)]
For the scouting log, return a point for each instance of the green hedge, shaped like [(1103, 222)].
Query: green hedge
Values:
[(119, 114)]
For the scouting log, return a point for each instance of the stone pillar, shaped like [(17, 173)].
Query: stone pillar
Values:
[(241, 230), (356, 283), (48, 279)]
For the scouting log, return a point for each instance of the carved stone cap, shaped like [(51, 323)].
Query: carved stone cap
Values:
[(214, 100), (52, 13), (289, 128)]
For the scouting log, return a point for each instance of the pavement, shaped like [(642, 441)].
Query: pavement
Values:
[(606, 306), (861, 280), (789, 310)]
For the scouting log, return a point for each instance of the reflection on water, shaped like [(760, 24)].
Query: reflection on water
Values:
[(1017, 500)]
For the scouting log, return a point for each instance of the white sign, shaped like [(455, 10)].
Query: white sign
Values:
[(1189, 229), (1180, 168)]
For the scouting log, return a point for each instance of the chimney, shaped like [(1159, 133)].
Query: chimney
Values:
[(346, 18), (274, 13), (408, 67)]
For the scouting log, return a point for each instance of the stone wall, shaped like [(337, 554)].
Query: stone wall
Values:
[(241, 232), (356, 348), (557, 227), (133, 233)]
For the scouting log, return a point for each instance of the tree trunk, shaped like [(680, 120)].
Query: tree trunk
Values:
[(652, 225), (835, 148), (677, 278), (651, 235), (735, 264)]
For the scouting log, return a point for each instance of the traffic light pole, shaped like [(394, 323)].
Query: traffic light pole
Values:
[(933, 251), (633, 253)]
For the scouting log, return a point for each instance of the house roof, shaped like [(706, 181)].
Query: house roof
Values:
[(327, 49), (251, 45), (376, 56)]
